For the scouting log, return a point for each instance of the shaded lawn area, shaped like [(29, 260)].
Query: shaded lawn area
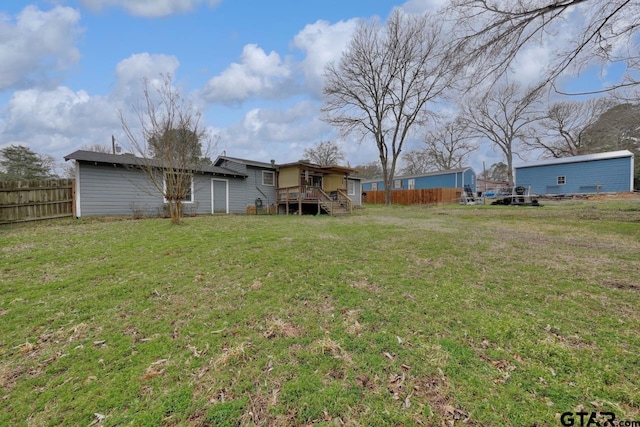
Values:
[(392, 316)]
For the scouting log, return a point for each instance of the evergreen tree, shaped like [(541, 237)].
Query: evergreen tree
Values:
[(20, 163)]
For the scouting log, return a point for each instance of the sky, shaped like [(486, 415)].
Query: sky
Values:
[(253, 68)]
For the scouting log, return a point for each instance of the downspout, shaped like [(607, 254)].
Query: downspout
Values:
[(255, 172)]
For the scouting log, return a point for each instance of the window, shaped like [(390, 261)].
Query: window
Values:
[(374, 186), (397, 184), (411, 184), (178, 185), (268, 178), (351, 188), (562, 180)]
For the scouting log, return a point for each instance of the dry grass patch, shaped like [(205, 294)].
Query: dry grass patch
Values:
[(434, 390), (232, 354), (278, 328), (327, 345)]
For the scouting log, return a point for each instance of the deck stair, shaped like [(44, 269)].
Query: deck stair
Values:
[(334, 205)]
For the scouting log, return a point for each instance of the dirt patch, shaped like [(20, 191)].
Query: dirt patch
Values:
[(365, 285), (365, 383), (278, 328), (621, 284), (9, 377), (616, 196), (434, 390)]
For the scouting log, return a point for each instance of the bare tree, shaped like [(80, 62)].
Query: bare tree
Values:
[(416, 162), (324, 153), (384, 80), (98, 148), (560, 133), (496, 31), (502, 116), (369, 170), (449, 144), (169, 142)]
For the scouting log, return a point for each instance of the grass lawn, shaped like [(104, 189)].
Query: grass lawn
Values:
[(449, 315)]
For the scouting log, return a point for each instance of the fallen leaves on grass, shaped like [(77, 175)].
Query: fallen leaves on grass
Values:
[(327, 345), (434, 390), (155, 369), (197, 353)]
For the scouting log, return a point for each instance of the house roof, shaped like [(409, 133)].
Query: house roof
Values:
[(131, 160), (247, 162), (436, 173), (577, 159), (319, 168)]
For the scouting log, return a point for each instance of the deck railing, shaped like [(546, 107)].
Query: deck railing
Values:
[(298, 193), (345, 201), (312, 194)]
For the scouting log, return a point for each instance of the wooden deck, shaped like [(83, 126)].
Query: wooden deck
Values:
[(309, 199)]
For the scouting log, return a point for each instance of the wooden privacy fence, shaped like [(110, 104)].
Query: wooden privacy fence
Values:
[(34, 200), (425, 196)]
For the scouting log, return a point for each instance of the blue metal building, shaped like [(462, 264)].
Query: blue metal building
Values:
[(610, 172), (454, 178)]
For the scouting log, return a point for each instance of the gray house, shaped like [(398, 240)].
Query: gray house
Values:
[(260, 178), (610, 172), (111, 184)]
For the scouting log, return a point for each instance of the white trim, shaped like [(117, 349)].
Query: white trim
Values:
[(226, 182), (77, 201), (632, 172), (164, 188), (273, 182), (351, 187), (576, 159)]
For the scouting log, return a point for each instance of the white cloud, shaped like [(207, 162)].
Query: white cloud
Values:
[(131, 72), (323, 43), (37, 43), (149, 8), (275, 133), (57, 121), (422, 6), (258, 74)]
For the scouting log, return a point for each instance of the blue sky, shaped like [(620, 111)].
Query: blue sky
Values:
[(254, 68)]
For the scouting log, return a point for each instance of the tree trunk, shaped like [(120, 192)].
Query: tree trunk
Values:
[(175, 211)]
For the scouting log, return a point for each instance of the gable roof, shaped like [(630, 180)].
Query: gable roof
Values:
[(131, 160), (436, 173), (577, 159), (247, 162)]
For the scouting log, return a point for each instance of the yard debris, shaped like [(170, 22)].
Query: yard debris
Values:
[(155, 369), (388, 355), (25, 348), (196, 352), (99, 343), (98, 420)]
